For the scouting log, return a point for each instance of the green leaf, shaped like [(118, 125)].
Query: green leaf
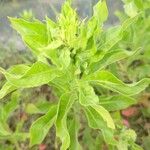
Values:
[(100, 11), (41, 126), (52, 51), (109, 81), (6, 89), (18, 70), (41, 107), (73, 131), (131, 9), (4, 130), (37, 75), (53, 45), (137, 147), (34, 33), (111, 37), (51, 29), (10, 107), (105, 115), (89, 100), (116, 102), (139, 4), (32, 109), (65, 103), (95, 120), (65, 58), (110, 57), (114, 34), (53, 55), (87, 95)]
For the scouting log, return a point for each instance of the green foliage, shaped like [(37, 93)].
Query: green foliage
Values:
[(72, 57), (41, 126), (137, 36)]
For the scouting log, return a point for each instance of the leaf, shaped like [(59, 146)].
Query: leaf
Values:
[(33, 33), (89, 100), (32, 109), (100, 11), (53, 45), (109, 81), (96, 121), (131, 9), (139, 4), (110, 57), (6, 89), (73, 131), (4, 130), (114, 34), (18, 70), (37, 75), (51, 28), (105, 115), (87, 95), (41, 126), (41, 107), (65, 58), (21, 136), (111, 37), (10, 107), (146, 142), (53, 55), (116, 102), (137, 147), (51, 51), (65, 103)]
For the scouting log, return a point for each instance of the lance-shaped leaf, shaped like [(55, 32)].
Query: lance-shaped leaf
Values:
[(6, 89), (65, 58), (7, 109), (113, 35), (41, 126), (111, 57), (4, 130), (116, 102), (88, 99), (65, 103), (41, 107), (18, 71), (33, 33), (51, 29), (51, 51), (21, 136), (108, 80), (87, 95), (100, 12), (37, 75), (95, 120), (73, 131)]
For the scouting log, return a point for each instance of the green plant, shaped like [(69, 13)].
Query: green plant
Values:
[(72, 58), (137, 36)]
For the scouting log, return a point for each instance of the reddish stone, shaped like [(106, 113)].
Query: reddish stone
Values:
[(130, 112)]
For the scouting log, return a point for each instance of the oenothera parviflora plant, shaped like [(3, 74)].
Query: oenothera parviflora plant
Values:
[(138, 65), (72, 56)]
